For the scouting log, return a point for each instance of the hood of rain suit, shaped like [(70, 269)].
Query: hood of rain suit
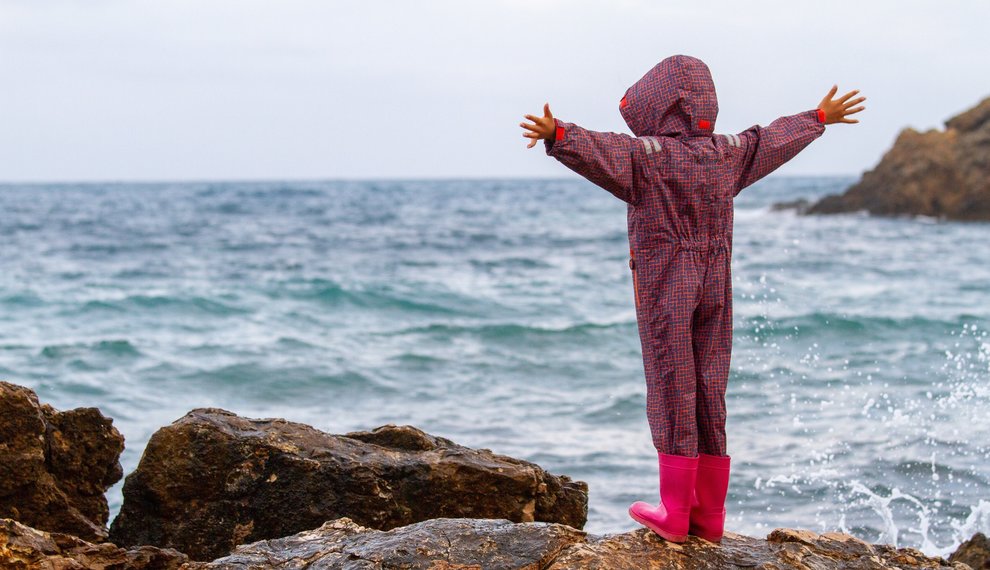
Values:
[(675, 98)]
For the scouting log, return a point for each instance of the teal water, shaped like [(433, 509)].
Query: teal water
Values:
[(499, 314)]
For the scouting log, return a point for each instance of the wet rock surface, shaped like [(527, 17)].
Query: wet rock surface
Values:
[(942, 174), (436, 543), (23, 547), (213, 480), (501, 544), (56, 466)]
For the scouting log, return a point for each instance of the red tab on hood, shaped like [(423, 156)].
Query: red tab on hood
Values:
[(623, 103), (704, 125)]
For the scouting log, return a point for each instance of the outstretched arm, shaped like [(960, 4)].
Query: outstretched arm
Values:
[(603, 158), (767, 148)]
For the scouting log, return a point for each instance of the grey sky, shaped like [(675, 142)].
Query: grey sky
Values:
[(245, 89)]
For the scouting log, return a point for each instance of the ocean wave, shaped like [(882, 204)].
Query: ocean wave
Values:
[(510, 263), (163, 303), (259, 381), (333, 294), (628, 406), (508, 331), (26, 300), (417, 361), (121, 246), (848, 326), (110, 348)]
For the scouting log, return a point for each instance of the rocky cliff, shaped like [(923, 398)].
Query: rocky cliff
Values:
[(944, 174)]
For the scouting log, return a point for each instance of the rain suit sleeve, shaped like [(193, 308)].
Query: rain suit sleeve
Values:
[(764, 149), (607, 159)]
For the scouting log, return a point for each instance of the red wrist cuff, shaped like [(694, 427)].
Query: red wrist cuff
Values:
[(559, 134), (821, 116)]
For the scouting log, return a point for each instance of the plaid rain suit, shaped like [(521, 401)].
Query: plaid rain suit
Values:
[(678, 180)]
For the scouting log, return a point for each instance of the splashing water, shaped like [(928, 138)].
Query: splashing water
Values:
[(947, 425)]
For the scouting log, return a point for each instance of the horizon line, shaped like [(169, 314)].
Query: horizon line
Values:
[(110, 181)]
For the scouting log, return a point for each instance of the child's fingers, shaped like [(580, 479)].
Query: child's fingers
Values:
[(533, 118), (832, 92), (529, 126), (845, 120), (854, 102), (854, 110), (532, 135), (848, 95), (531, 144)]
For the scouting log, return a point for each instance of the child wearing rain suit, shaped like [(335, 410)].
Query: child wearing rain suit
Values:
[(679, 179)]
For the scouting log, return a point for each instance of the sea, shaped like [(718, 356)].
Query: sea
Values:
[(500, 314)]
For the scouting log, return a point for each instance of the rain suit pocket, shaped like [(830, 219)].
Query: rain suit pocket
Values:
[(632, 267)]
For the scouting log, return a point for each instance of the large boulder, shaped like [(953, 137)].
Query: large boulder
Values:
[(56, 466), (943, 174), (466, 544), (213, 480), (25, 547)]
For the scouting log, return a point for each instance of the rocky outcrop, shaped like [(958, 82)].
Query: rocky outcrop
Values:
[(944, 174), (25, 547), (56, 466), (500, 544), (473, 544), (975, 552), (213, 480)]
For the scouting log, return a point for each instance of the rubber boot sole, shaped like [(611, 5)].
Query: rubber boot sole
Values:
[(666, 535)]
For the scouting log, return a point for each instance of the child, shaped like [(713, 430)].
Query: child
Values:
[(678, 179)]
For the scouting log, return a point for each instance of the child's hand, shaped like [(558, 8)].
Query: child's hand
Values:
[(836, 110), (541, 127)]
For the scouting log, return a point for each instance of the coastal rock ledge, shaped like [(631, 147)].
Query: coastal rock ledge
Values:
[(476, 544), (467, 544), (213, 480), (943, 174)]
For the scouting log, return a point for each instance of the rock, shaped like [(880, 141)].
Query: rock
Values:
[(783, 549), (56, 466), (943, 174), (448, 543), (442, 543), (213, 480), (975, 552), (801, 205), (22, 547)]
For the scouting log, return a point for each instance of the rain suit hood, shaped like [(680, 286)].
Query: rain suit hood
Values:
[(675, 98)]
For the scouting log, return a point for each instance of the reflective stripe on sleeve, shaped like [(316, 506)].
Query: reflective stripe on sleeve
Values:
[(651, 144)]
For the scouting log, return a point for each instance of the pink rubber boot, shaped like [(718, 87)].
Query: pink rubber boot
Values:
[(670, 519), (708, 507)]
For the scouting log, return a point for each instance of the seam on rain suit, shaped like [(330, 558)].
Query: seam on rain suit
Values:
[(679, 180)]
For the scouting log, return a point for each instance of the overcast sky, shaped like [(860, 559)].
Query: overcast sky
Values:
[(294, 89)]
